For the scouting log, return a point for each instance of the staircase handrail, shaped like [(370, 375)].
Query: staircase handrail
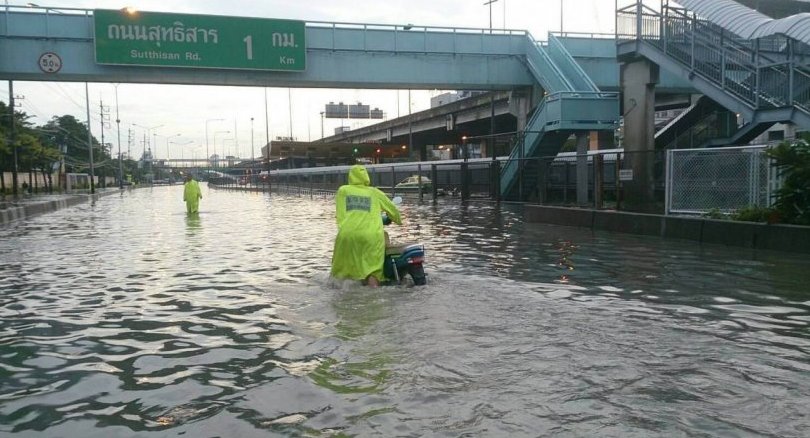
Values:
[(519, 148), (565, 57), (803, 98), (555, 80)]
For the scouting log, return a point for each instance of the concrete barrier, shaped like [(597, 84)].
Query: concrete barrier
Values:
[(30, 209), (777, 237), (574, 217), (632, 223), (685, 228)]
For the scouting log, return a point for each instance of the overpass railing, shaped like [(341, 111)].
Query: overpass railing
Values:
[(579, 80), (321, 35)]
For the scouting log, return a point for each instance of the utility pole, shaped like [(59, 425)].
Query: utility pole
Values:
[(89, 138), (252, 150), (104, 114), (120, 159), (12, 137)]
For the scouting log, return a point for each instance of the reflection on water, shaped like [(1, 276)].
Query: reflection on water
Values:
[(128, 317)]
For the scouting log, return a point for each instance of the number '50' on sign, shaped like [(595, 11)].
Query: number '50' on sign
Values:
[(50, 62)]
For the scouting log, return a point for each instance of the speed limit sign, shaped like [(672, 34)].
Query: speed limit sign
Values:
[(50, 62)]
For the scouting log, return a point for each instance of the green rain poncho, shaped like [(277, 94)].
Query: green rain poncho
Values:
[(192, 195), (360, 243)]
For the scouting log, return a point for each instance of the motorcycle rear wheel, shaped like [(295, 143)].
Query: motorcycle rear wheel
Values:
[(418, 275)]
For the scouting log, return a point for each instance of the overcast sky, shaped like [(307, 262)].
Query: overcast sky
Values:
[(183, 109)]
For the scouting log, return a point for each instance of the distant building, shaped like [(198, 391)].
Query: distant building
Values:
[(359, 111)]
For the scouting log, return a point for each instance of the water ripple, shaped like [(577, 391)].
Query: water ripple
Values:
[(125, 317)]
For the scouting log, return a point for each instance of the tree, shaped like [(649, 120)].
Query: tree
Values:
[(793, 198), (21, 126)]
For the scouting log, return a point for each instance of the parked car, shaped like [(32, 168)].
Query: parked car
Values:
[(411, 184)]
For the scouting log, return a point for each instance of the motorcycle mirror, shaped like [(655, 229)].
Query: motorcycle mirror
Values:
[(397, 200)]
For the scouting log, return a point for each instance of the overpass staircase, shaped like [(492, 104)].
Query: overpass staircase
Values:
[(572, 104), (764, 80), (704, 121)]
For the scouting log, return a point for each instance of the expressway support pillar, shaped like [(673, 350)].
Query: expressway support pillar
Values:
[(638, 78), (520, 104)]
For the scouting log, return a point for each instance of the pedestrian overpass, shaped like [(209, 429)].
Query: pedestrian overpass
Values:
[(749, 67), (61, 44)]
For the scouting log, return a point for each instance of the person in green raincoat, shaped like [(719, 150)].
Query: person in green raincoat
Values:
[(360, 243), (192, 195)]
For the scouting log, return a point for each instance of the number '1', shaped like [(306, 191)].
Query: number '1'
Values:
[(249, 46)]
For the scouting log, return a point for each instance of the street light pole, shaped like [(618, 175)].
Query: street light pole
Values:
[(215, 142), (168, 137), (266, 126), (182, 156), (12, 137), (410, 125), (207, 156), (252, 149), (149, 132), (118, 124), (321, 125), (289, 104), (490, 2)]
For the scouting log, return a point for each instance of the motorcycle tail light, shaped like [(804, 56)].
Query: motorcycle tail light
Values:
[(415, 260)]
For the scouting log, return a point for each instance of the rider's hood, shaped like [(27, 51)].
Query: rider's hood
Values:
[(358, 176)]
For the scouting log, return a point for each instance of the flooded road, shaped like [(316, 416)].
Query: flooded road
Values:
[(126, 318)]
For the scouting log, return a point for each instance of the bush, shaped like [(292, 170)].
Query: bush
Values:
[(756, 214), (793, 198), (715, 214)]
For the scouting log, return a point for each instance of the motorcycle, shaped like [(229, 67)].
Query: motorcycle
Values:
[(403, 259)]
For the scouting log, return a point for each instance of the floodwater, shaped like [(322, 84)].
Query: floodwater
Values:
[(126, 318)]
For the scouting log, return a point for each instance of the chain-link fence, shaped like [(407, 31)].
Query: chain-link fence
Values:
[(720, 179)]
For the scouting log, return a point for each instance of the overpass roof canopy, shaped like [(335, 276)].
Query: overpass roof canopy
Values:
[(749, 23)]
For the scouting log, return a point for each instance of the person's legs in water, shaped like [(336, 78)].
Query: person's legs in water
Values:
[(371, 281)]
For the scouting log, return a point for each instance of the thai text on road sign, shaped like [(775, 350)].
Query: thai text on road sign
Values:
[(203, 41)]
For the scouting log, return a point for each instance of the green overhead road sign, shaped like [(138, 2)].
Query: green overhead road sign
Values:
[(203, 41)]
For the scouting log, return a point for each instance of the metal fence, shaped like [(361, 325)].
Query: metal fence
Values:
[(548, 180), (720, 179), (683, 181)]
